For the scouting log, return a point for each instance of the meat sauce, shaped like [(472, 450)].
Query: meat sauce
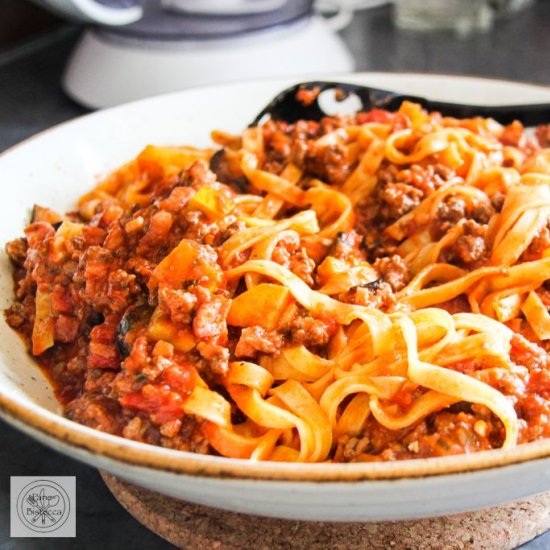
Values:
[(110, 374)]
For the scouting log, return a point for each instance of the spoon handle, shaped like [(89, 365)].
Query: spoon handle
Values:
[(289, 107)]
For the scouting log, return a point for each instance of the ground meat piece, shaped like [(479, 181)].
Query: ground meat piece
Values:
[(289, 255), (455, 434), (513, 134), (115, 239), (103, 352), (470, 249), (328, 163), (96, 411), (302, 266), (396, 193), (66, 328), (177, 200), (394, 271), (99, 381), (277, 140), (346, 246), (188, 438), (378, 295), (61, 300), (353, 446), (38, 234), (93, 274), (528, 354), (139, 358), (121, 287), (230, 230), (387, 174), (216, 356), (454, 209), (197, 225), (198, 175), (179, 303), (135, 429), (170, 429), (157, 233), (449, 213), (534, 409), (497, 201), (311, 331), (17, 251), (256, 340), (400, 198), (426, 178), (142, 268), (18, 314), (482, 213), (542, 134), (538, 245), (210, 319)]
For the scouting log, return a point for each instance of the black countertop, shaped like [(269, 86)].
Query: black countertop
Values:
[(31, 100)]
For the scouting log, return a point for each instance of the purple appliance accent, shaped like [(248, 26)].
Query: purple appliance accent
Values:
[(158, 23)]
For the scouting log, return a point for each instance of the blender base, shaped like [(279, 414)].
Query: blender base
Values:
[(108, 69)]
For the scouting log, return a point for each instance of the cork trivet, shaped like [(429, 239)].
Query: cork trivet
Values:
[(190, 526)]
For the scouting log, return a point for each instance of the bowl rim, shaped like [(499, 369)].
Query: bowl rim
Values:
[(57, 431)]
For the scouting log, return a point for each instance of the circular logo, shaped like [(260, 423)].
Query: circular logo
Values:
[(43, 506)]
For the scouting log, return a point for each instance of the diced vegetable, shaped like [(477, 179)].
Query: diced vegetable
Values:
[(189, 261), (41, 214), (43, 333), (337, 276), (162, 328), (263, 305), (211, 202), (134, 318), (63, 236)]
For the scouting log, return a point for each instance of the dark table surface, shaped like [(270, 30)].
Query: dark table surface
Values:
[(31, 100)]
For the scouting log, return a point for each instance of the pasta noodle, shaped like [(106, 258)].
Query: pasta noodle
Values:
[(357, 289)]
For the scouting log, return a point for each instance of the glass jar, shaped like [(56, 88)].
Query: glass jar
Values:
[(460, 16)]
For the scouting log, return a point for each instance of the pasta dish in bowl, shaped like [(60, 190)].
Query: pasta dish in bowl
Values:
[(363, 288), (324, 321)]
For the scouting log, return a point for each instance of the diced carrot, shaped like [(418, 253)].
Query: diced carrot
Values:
[(41, 214), (211, 202), (188, 262), (263, 305), (331, 266), (43, 333), (161, 328)]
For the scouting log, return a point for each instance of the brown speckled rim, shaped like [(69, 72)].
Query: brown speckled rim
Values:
[(63, 434), (57, 431)]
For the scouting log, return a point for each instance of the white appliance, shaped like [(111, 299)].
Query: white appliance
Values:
[(135, 49)]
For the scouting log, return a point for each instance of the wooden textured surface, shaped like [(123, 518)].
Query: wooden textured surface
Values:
[(189, 526)]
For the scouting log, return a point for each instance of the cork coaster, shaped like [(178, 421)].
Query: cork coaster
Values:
[(190, 526)]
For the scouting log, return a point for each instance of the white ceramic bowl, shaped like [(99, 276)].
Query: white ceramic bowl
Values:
[(57, 166)]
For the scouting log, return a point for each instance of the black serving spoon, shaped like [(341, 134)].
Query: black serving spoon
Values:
[(288, 107)]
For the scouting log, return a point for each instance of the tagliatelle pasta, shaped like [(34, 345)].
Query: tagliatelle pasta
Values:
[(357, 289)]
